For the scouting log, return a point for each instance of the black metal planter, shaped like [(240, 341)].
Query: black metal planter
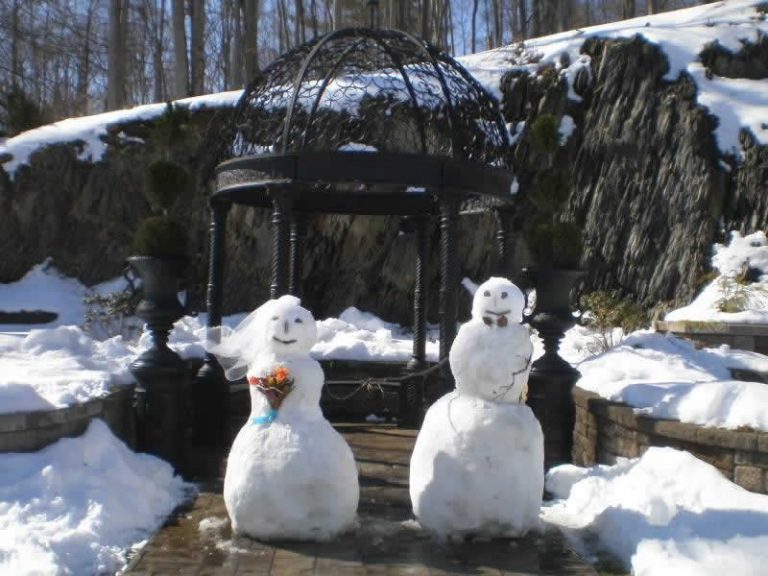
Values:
[(550, 385), (162, 377)]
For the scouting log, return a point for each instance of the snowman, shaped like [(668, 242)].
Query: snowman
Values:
[(289, 475), (478, 465)]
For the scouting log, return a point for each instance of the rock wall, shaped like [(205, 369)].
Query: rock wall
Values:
[(649, 190)]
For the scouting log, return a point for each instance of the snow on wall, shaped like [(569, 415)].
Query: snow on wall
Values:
[(737, 103), (88, 130), (730, 261), (681, 35)]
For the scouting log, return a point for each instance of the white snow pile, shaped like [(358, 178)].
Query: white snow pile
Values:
[(728, 298), (44, 288), (358, 335), (57, 367), (667, 377), (681, 35), (663, 513), (61, 363), (78, 505), (88, 130)]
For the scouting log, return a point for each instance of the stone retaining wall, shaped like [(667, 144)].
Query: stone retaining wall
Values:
[(605, 430), (31, 431)]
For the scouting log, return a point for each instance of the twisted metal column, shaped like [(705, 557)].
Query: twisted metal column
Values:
[(449, 210), (282, 205), (211, 391), (420, 293), (298, 239), (504, 229), (412, 392)]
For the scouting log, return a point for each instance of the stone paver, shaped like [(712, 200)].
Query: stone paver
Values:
[(385, 543)]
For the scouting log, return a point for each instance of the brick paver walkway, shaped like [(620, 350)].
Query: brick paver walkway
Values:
[(387, 542)]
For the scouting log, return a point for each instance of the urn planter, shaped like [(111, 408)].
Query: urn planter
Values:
[(551, 382), (162, 377)]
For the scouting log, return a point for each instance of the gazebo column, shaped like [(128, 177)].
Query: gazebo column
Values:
[(282, 208), (412, 395), (211, 392), (298, 240), (449, 211), (504, 251)]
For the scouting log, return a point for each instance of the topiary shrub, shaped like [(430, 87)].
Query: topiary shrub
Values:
[(551, 240), (164, 183), (161, 236)]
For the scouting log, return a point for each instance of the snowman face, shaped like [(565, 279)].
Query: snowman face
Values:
[(498, 303), (289, 330)]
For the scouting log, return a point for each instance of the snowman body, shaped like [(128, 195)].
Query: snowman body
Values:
[(478, 464), (290, 475)]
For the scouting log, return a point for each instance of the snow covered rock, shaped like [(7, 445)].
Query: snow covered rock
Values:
[(478, 464), (289, 474)]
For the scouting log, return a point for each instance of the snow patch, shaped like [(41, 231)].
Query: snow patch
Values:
[(76, 506), (663, 513)]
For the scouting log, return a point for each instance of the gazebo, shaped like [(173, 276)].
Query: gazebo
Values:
[(369, 122)]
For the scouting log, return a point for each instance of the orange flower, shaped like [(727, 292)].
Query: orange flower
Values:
[(281, 374)]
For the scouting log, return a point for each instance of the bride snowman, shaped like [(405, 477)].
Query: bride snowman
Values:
[(477, 468), (289, 475)]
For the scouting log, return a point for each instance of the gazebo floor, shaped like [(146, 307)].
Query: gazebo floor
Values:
[(198, 540)]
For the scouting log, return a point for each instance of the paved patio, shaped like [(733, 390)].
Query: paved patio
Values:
[(387, 542)]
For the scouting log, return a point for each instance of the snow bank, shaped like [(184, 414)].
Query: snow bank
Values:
[(731, 260), (666, 377), (77, 505), (45, 288), (357, 335), (681, 35), (663, 513), (52, 368), (88, 130)]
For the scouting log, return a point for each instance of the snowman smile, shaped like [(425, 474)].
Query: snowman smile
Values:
[(275, 338), (504, 313)]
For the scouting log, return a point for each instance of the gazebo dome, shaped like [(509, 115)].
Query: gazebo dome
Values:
[(370, 113)]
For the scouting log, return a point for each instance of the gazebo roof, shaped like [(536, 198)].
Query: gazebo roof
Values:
[(369, 122)]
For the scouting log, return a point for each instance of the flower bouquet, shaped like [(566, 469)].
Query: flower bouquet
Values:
[(275, 386)]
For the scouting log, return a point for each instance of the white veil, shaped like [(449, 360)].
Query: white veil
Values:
[(237, 349)]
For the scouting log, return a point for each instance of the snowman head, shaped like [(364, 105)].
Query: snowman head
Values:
[(288, 329), (498, 303)]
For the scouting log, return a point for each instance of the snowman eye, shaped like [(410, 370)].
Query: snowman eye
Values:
[(275, 318), (487, 293), (503, 295), (299, 321)]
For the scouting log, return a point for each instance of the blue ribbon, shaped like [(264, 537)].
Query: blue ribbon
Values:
[(268, 418)]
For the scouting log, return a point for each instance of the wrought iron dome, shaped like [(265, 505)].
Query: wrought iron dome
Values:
[(354, 117)]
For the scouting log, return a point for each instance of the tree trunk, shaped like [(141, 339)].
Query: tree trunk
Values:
[(522, 10), (426, 12), (338, 12), (299, 35), (651, 7), (116, 73), (251, 40), (84, 66), (629, 9), (16, 71), (197, 47), (180, 63), (475, 7)]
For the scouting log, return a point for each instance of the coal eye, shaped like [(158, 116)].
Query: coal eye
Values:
[(503, 295), (299, 321), (275, 318), (487, 293)]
